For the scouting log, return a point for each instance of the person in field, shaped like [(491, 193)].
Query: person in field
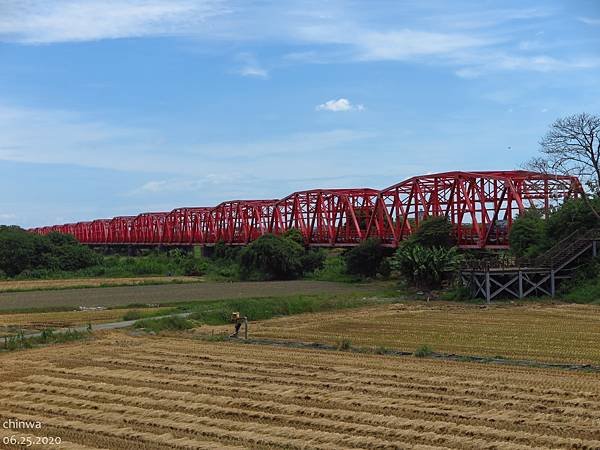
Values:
[(238, 321)]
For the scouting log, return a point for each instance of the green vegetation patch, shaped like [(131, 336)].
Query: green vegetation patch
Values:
[(218, 313), (171, 323), (47, 336)]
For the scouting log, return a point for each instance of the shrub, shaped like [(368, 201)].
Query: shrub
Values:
[(434, 232), (345, 345), (132, 314), (174, 323), (528, 234), (225, 252), (271, 257), (423, 351), (22, 251), (311, 260), (425, 266), (365, 259), (573, 215), (295, 235), (334, 269), (194, 266)]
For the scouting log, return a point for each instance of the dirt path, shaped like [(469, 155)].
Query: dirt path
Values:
[(171, 293)]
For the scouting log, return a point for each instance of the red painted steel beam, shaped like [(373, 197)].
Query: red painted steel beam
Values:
[(480, 205), (239, 222), (326, 217)]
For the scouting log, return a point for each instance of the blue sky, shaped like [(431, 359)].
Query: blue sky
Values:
[(116, 107)]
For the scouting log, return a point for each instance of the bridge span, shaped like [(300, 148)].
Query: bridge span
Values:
[(480, 205)]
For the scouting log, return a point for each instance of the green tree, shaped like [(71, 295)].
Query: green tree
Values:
[(365, 259), (17, 250), (271, 257), (295, 235), (434, 232), (528, 234), (573, 215), (21, 251)]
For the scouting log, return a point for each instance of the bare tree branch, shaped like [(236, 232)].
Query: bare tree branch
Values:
[(572, 147)]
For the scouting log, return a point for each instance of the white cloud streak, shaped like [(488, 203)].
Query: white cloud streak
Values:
[(63, 137), (45, 22), (593, 21), (471, 41), (339, 105), (251, 67)]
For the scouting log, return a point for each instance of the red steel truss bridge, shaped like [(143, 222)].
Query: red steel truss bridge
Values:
[(480, 205)]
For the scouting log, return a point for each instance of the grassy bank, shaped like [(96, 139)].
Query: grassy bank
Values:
[(218, 313), (47, 336)]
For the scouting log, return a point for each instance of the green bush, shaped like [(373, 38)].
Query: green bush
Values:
[(295, 235), (573, 215), (365, 259), (47, 336), (434, 232), (345, 345), (272, 257), (528, 234), (312, 260), (423, 351), (334, 269), (425, 266), (21, 251), (226, 252), (172, 323), (194, 266), (132, 314)]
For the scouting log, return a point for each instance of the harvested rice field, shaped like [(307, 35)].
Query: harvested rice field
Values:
[(64, 319), (565, 333), (124, 392), (32, 285)]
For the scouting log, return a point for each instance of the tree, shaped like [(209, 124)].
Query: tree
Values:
[(573, 215), (572, 147), (21, 251), (272, 257), (365, 259), (528, 234), (434, 232)]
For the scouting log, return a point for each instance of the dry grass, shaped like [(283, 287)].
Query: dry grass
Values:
[(65, 319), (560, 333), (28, 285), (121, 392)]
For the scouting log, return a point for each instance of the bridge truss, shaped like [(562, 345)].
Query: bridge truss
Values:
[(480, 205)]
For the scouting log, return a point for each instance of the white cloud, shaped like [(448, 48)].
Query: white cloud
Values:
[(251, 67), (590, 20), (43, 22), (367, 44), (471, 41), (477, 65), (178, 185), (252, 71), (64, 137), (341, 104)]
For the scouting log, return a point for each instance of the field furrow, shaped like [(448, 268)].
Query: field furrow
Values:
[(172, 392)]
